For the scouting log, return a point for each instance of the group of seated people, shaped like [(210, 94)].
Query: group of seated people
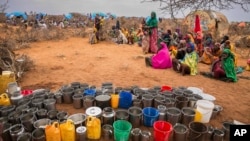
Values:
[(185, 54)]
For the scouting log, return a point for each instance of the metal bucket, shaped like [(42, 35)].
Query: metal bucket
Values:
[(88, 101), (180, 132), (173, 115), (188, 93), (14, 117), (6, 110), (41, 113), (81, 133), (147, 100), (77, 101), (27, 121), (210, 132), (59, 98), (108, 116), (107, 132), (197, 132), (188, 115), (168, 94), (122, 114), (52, 114), (218, 135), (42, 123), (49, 104), (181, 101), (38, 135), (178, 92), (24, 101), (135, 116), (37, 102), (5, 131), (226, 129), (162, 112), (136, 133), (78, 119), (25, 137), (15, 131), (145, 135), (192, 102), (22, 108), (62, 115), (159, 100), (137, 103), (67, 95), (103, 101), (75, 85)]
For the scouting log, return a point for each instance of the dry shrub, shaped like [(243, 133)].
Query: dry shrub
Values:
[(9, 43)]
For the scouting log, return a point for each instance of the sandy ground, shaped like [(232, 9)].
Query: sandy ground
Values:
[(61, 62)]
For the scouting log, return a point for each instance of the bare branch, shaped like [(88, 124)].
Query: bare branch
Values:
[(173, 7), (4, 6)]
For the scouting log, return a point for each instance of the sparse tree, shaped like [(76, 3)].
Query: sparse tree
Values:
[(4, 6), (174, 7)]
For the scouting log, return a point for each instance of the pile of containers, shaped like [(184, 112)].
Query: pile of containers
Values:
[(111, 113)]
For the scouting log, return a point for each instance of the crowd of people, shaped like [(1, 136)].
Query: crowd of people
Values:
[(183, 53)]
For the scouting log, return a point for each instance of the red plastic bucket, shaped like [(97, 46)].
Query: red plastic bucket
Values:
[(162, 130), (166, 88), (26, 92)]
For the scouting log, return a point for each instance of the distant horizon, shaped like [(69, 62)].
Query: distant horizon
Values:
[(127, 8)]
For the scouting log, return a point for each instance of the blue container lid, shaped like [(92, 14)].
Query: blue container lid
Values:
[(89, 92)]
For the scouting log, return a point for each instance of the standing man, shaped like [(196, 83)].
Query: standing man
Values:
[(97, 26)]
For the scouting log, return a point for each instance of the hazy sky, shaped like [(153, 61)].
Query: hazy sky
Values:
[(118, 7)]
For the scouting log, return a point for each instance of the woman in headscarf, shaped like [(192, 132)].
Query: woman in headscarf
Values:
[(189, 64), (224, 67), (207, 56), (161, 60), (152, 25)]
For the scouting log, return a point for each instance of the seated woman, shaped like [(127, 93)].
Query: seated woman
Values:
[(189, 63), (210, 54), (181, 50), (224, 67), (161, 60)]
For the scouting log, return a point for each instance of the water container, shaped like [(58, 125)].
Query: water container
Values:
[(15, 97), (53, 132), (4, 100), (162, 130), (205, 108), (67, 130), (93, 128)]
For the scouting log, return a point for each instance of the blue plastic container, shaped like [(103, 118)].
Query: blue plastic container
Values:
[(125, 99), (90, 92), (150, 115)]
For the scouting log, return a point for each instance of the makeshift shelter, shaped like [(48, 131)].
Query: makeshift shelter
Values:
[(68, 16), (22, 15), (210, 21)]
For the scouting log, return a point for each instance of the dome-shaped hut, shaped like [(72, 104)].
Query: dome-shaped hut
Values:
[(210, 21)]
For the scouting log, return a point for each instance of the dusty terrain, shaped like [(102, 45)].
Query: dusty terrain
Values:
[(61, 62)]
